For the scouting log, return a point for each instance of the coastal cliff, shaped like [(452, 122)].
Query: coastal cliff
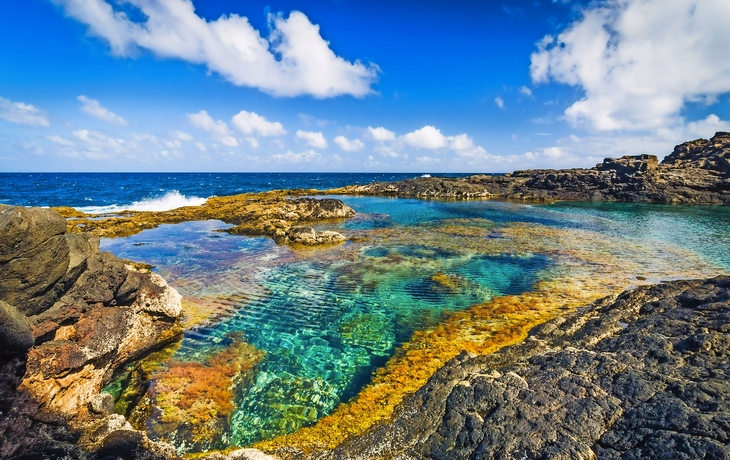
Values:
[(696, 172), (644, 374), (69, 316)]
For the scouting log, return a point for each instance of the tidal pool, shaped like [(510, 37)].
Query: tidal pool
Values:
[(279, 339)]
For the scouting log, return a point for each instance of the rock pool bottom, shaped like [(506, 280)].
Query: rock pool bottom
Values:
[(279, 339)]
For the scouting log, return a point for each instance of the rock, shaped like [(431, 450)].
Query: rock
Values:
[(102, 404), (15, 335), (34, 256), (641, 375), (309, 237), (271, 214), (81, 314), (696, 172)]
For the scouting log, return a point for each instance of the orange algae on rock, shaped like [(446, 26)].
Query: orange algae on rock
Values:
[(189, 403)]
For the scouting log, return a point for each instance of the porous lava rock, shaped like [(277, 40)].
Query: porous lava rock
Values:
[(645, 374), (696, 172)]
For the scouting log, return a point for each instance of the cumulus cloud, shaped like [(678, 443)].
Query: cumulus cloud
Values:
[(56, 139), (315, 139), (427, 137), (93, 108), (525, 91), (98, 145), (499, 101), (218, 129), (348, 145), (639, 61), (305, 157), (253, 123), (464, 146), (21, 113), (381, 134), (708, 127), (293, 60), (182, 136)]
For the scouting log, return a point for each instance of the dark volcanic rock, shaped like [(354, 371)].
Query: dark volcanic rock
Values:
[(15, 335), (642, 375), (696, 172)]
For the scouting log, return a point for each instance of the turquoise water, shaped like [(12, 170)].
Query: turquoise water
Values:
[(328, 318)]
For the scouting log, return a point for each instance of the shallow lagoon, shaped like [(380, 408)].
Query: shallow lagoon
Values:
[(306, 330)]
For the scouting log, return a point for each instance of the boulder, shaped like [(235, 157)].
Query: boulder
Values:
[(15, 334), (307, 236)]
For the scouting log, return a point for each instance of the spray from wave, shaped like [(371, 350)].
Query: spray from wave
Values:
[(170, 200)]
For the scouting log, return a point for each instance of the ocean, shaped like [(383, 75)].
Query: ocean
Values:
[(109, 192)]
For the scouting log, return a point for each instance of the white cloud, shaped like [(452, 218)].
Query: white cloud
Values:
[(387, 151), (294, 59), (427, 137), (98, 145), (464, 146), (217, 129), (309, 156), (499, 101), (93, 108), (253, 123), (21, 113), (173, 144), (639, 61), (348, 145), (253, 142), (525, 91), (182, 136), (708, 127), (56, 139), (381, 134), (33, 148), (315, 139), (201, 146), (145, 137)]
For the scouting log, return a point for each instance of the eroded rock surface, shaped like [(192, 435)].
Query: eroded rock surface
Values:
[(70, 315), (696, 172), (645, 374)]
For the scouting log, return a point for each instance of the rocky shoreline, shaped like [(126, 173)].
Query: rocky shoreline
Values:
[(630, 376), (696, 172)]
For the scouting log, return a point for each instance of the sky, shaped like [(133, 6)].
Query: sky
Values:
[(356, 85)]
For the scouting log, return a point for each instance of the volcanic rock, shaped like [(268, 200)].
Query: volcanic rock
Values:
[(644, 374)]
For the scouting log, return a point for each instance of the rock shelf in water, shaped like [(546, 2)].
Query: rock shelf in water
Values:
[(277, 214)]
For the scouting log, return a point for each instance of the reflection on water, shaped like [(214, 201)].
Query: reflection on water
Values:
[(328, 325)]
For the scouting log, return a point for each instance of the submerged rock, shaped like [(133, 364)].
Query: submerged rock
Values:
[(696, 172), (641, 375), (78, 313)]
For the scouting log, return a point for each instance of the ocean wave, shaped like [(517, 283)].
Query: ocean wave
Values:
[(170, 200)]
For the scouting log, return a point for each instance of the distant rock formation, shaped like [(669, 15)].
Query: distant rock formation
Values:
[(697, 172), (69, 315), (644, 374)]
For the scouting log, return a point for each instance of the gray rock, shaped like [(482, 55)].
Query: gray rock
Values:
[(15, 335)]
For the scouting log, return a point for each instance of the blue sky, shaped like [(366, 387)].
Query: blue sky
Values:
[(343, 85)]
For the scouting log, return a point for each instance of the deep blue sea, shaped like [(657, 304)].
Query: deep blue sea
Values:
[(160, 191)]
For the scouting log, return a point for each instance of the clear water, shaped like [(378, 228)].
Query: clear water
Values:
[(328, 318)]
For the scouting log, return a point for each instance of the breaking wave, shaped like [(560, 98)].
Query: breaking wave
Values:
[(170, 200)]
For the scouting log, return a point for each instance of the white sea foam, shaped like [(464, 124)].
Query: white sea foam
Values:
[(170, 200), (426, 175)]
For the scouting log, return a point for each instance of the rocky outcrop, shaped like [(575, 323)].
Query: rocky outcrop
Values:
[(697, 172), (70, 315), (641, 375), (276, 214)]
